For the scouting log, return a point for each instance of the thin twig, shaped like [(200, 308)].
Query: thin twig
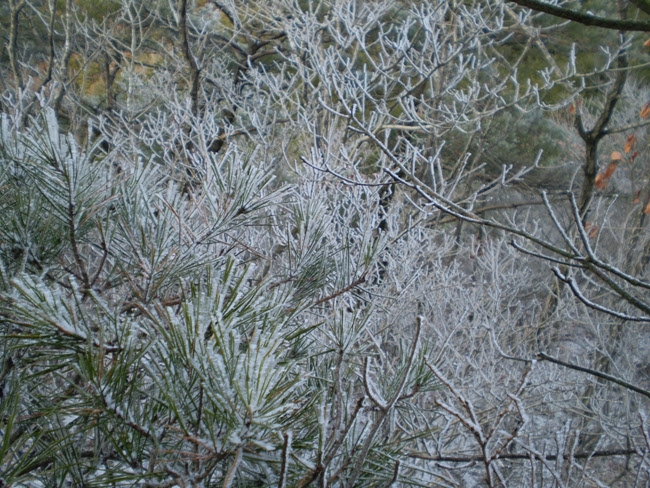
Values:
[(613, 379), (523, 457)]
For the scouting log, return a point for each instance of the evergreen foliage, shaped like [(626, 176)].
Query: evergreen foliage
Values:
[(334, 243)]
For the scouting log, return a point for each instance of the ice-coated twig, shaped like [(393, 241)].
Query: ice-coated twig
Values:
[(286, 449), (544, 257), (386, 409), (230, 475), (545, 357), (580, 296), (371, 389), (581, 228), (558, 225)]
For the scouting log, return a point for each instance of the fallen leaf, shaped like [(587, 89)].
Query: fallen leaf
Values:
[(645, 111), (634, 155), (636, 198), (600, 182), (610, 170), (646, 43), (646, 210), (629, 145), (616, 156)]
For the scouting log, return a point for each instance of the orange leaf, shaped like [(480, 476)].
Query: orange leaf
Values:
[(646, 210), (591, 229), (645, 111), (616, 156), (574, 106), (629, 145), (610, 170), (636, 198), (600, 182), (646, 43)]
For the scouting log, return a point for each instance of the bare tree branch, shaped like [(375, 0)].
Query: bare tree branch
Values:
[(598, 374), (585, 19)]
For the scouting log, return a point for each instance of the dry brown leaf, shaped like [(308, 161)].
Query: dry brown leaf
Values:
[(591, 229), (646, 210), (645, 111), (600, 182), (616, 156), (629, 144), (610, 170)]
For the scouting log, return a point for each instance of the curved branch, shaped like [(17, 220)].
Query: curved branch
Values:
[(585, 19), (619, 291)]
